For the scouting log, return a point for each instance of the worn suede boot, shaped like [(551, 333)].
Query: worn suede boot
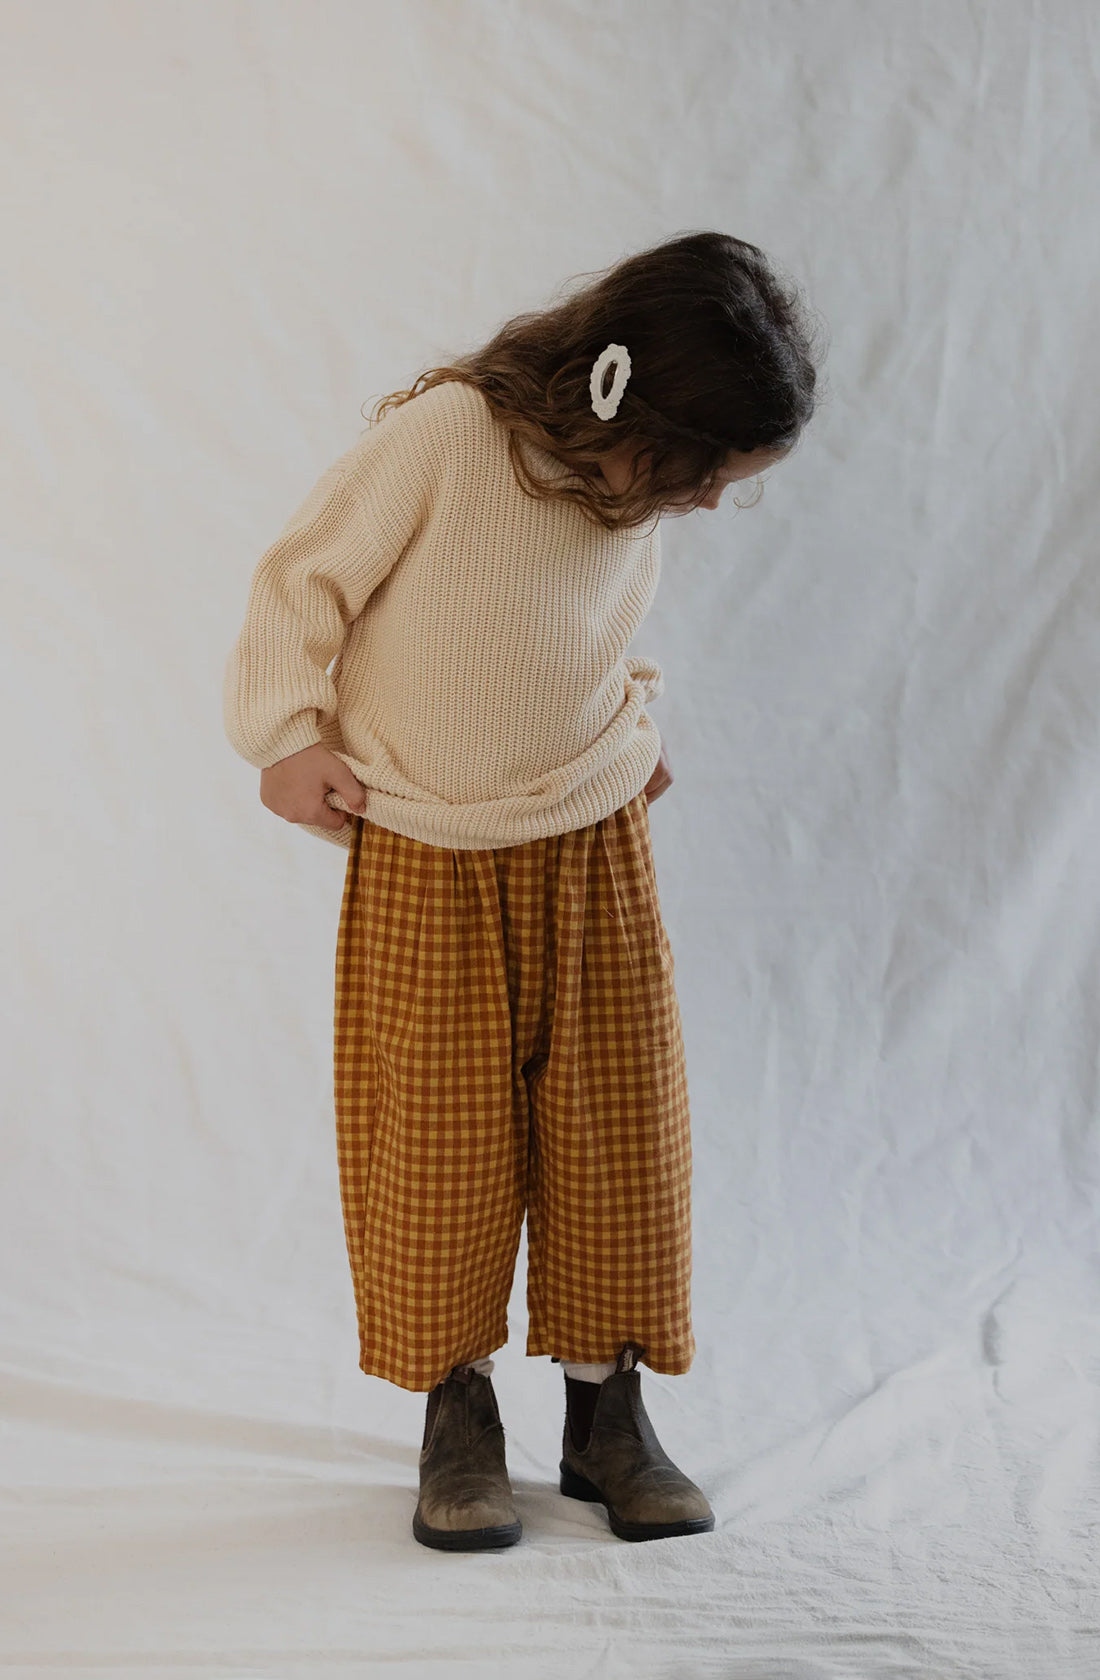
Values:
[(622, 1465), (465, 1502)]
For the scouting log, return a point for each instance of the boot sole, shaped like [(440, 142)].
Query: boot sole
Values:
[(466, 1539), (575, 1486)]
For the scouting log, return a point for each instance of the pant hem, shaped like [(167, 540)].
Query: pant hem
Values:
[(417, 1382), (663, 1361)]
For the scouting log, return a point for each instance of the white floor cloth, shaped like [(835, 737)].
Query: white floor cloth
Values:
[(230, 225)]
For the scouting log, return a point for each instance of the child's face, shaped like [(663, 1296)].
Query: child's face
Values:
[(736, 469), (616, 466)]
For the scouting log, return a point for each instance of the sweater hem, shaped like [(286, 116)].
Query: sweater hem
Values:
[(466, 828)]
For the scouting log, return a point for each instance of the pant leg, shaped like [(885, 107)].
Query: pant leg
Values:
[(609, 1168), (431, 1120)]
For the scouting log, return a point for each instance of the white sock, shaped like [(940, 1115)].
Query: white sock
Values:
[(588, 1373)]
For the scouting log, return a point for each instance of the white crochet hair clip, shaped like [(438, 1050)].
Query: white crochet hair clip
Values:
[(605, 406)]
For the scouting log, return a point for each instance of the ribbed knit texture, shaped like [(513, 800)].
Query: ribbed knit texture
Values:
[(479, 684)]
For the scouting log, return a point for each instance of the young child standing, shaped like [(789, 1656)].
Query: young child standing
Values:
[(432, 673)]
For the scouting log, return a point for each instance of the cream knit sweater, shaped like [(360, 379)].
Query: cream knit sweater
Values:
[(479, 684)]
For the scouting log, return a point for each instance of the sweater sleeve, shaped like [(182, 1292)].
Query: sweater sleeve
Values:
[(309, 585)]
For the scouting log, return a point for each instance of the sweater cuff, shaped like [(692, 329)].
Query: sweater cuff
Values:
[(300, 732)]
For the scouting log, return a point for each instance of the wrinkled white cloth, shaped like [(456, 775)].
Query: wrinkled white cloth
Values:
[(877, 861)]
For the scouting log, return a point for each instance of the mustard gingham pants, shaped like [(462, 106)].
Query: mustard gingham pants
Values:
[(508, 1041)]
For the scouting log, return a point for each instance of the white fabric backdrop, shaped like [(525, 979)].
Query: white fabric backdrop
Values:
[(229, 226)]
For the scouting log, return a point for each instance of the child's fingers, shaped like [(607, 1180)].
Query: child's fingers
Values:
[(328, 816), (349, 787)]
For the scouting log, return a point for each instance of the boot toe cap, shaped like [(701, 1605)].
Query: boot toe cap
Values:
[(477, 1508), (680, 1502)]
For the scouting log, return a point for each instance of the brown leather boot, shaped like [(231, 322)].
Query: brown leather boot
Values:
[(624, 1467), (465, 1502)]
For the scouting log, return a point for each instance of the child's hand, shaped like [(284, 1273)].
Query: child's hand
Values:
[(295, 787), (660, 779)]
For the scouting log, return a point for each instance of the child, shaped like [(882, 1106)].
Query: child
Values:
[(432, 674)]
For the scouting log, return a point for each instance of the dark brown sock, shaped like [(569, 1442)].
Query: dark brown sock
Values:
[(580, 1407)]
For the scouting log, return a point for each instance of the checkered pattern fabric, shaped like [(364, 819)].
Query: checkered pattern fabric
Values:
[(508, 1041)]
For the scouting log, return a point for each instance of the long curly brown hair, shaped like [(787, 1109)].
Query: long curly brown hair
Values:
[(722, 360)]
